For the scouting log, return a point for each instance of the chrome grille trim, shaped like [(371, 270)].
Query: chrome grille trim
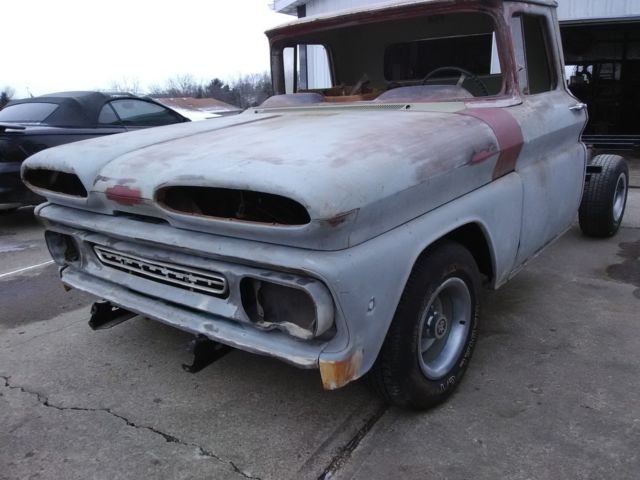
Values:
[(177, 275)]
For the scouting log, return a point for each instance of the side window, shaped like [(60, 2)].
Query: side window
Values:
[(306, 67), (319, 71), (108, 116), (143, 114), (34, 112), (536, 73)]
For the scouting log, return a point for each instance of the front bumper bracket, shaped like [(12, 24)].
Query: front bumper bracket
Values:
[(205, 352), (105, 315)]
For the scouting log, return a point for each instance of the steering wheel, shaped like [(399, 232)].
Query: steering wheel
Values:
[(464, 74)]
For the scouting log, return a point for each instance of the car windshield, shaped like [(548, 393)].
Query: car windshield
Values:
[(27, 112), (442, 56)]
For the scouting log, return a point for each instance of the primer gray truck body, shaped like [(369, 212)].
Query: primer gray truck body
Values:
[(381, 179)]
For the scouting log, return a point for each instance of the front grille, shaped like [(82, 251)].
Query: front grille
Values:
[(179, 276)]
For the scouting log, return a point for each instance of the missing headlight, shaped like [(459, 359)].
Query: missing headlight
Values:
[(55, 181), (291, 309), (226, 203), (63, 248)]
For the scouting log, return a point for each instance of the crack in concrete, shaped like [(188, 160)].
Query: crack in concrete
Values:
[(344, 453), (43, 400)]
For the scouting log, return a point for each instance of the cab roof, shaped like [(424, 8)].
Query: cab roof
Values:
[(381, 7)]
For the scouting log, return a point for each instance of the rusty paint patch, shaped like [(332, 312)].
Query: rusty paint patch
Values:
[(341, 218), (507, 132), (337, 374), (102, 178), (483, 155), (119, 181), (124, 195)]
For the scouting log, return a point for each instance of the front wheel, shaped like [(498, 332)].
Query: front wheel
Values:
[(605, 196), (431, 338)]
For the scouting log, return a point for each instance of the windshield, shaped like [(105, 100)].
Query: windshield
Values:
[(27, 112), (446, 56)]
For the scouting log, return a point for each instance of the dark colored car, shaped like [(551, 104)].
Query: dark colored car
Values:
[(33, 124)]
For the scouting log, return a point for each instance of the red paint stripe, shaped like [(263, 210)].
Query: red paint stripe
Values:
[(507, 132), (124, 195)]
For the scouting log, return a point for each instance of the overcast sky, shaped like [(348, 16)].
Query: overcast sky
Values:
[(55, 45)]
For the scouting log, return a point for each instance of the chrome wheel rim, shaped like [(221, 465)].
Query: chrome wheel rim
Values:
[(444, 327), (619, 197)]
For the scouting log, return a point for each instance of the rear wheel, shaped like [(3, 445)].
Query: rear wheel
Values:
[(605, 197), (431, 338)]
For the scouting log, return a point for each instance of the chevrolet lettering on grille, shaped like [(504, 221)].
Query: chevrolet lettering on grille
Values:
[(177, 275)]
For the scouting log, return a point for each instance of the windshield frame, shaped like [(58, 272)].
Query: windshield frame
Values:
[(302, 31)]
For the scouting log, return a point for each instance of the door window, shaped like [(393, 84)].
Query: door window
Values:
[(139, 113), (536, 73)]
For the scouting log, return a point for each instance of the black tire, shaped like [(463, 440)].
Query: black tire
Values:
[(399, 374), (605, 197)]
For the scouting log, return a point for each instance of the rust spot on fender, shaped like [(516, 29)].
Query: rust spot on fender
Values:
[(102, 178), (337, 374), (483, 155), (335, 222), (119, 181), (124, 195), (507, 132)]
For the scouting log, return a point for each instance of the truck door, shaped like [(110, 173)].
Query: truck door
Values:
[(553, 160)]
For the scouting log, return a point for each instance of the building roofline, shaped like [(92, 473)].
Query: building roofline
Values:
[(288, 6)]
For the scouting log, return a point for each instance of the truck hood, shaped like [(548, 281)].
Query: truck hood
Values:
[(358, 172)]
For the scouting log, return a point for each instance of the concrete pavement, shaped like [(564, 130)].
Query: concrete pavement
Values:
[(21, 242), (553, 390)]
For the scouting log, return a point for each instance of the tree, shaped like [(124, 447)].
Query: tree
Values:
[(183, 86), (245, 91), (5, 96), (126, 84), (219, 90), (251, 90)]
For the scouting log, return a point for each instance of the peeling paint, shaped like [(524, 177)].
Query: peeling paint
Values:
[(483, 155), (118, 181), (341, 219)]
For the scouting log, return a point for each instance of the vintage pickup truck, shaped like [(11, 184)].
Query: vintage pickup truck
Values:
[(413, 152)]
